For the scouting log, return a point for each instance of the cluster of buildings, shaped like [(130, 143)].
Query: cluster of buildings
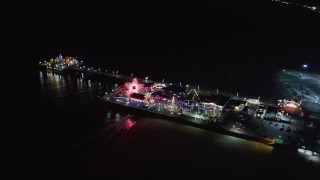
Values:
[(282, 111), (169, 98), (60, 63), (182, 100)]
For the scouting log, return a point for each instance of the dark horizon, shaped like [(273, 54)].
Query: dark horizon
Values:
[(146, 32), (220, 39)]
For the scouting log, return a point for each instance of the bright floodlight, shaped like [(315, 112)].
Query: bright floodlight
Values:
[(305, 65)]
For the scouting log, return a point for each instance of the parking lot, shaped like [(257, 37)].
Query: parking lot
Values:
[(281, 132)]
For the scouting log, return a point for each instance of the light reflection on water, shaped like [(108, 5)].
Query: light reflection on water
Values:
[(120, 121), (76, 92), (66, 91), (57, 85), (77, 119), (81, 87)]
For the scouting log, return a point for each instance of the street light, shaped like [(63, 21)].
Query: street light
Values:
[(305, 66)]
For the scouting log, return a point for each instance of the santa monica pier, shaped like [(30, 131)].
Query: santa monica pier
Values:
[(280, 123)]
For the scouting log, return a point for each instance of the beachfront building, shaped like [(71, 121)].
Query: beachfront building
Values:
[(60, 63), (290, 107)]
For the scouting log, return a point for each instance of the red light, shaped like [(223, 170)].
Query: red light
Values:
[(133, 87), (129, 124)]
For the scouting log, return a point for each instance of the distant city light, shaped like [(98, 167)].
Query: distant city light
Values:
[(305, 65)]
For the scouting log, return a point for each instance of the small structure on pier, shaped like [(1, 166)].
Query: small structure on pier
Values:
[(60, 63), (290, 106)]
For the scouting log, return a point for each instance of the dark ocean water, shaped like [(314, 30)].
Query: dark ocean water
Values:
[(48, 115), (234, 46)]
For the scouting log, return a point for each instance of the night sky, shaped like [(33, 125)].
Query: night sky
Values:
[(204, 39), (171, 32)]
